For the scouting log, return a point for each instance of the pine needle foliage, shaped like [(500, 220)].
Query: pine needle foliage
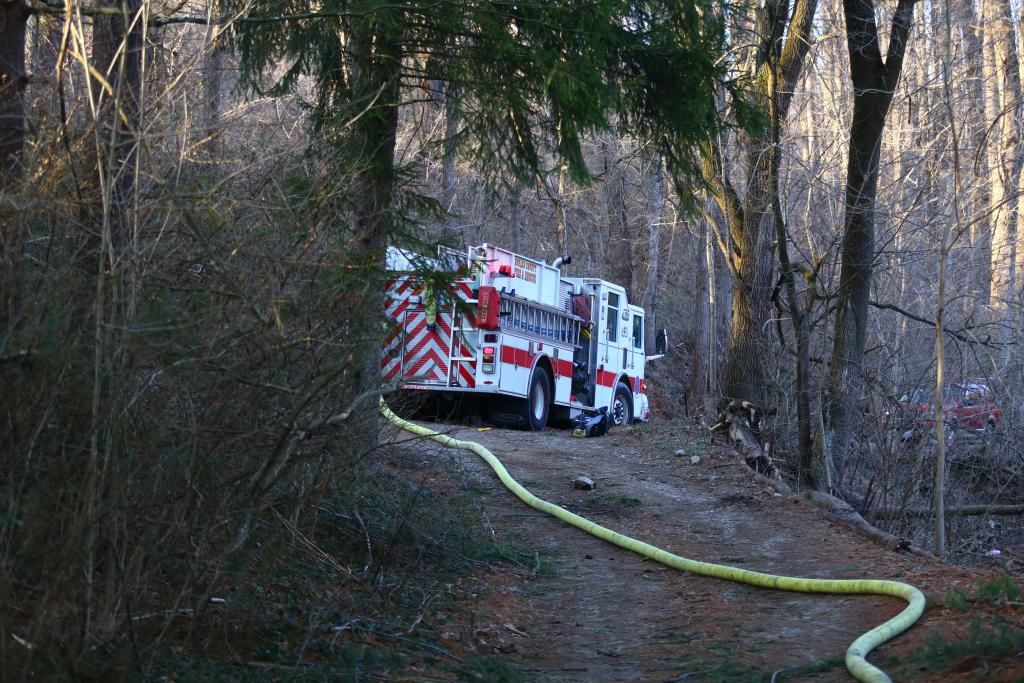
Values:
[(532, 75)]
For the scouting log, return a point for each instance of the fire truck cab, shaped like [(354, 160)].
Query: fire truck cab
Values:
[(530, 344)]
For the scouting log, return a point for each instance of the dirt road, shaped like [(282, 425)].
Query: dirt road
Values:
[(605, 614)]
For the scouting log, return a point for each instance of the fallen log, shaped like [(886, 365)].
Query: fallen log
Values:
[(966, 510), (838, 510), (741, 420)]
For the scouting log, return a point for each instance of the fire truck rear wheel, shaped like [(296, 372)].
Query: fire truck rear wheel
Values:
[(537, 404), (622, 406), (525, 413)]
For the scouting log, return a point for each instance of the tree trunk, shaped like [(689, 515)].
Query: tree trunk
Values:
[(939, 475), (376, 65), (975, 134), (561, 222), (1003, 75), (517, 228), (774, 66), (874, 82), (213, 68), (654, 198), (451, 128), (809, 468), (375, 71), (13, 19), (46, 32), (620, 239), (709, 320), (119, 115)]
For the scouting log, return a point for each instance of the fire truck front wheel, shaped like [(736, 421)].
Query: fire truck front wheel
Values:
[(622, 406)]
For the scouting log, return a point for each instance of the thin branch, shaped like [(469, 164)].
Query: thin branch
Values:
[(956, 334)]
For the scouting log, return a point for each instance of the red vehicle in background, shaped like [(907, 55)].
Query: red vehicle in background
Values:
[(967, 406)]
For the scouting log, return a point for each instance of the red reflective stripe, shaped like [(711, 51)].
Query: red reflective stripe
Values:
[(417, 328), (605, 378), (508, 355), (400, 308), (514, 356), (392, 336), (565, 367), (421, 360)]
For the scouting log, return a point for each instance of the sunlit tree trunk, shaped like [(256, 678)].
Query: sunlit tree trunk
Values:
[(974, 136), (709, 316), (1003, 77), (561, 222), (939, 473)]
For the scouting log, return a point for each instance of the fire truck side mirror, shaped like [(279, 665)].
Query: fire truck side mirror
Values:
[(661, 342)]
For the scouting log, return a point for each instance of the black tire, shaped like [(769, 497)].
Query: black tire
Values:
[(529, 413), (537, 404), (621, 412)]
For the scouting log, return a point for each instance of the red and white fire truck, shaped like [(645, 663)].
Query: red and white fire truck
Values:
[(512, 336)]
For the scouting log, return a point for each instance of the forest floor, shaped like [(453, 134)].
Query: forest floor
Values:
[(585, 610)]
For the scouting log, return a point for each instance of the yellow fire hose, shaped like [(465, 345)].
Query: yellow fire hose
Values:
[(856, 654)]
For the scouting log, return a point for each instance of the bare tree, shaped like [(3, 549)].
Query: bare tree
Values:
[(781, 43), (874, 81)]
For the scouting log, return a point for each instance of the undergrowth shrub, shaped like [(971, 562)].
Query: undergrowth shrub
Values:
[(181, 375)]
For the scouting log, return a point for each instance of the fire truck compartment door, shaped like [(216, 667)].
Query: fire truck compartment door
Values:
[(426, 351)]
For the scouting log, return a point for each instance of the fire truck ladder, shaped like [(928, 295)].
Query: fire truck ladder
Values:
[(540, 321), (459, 329)]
